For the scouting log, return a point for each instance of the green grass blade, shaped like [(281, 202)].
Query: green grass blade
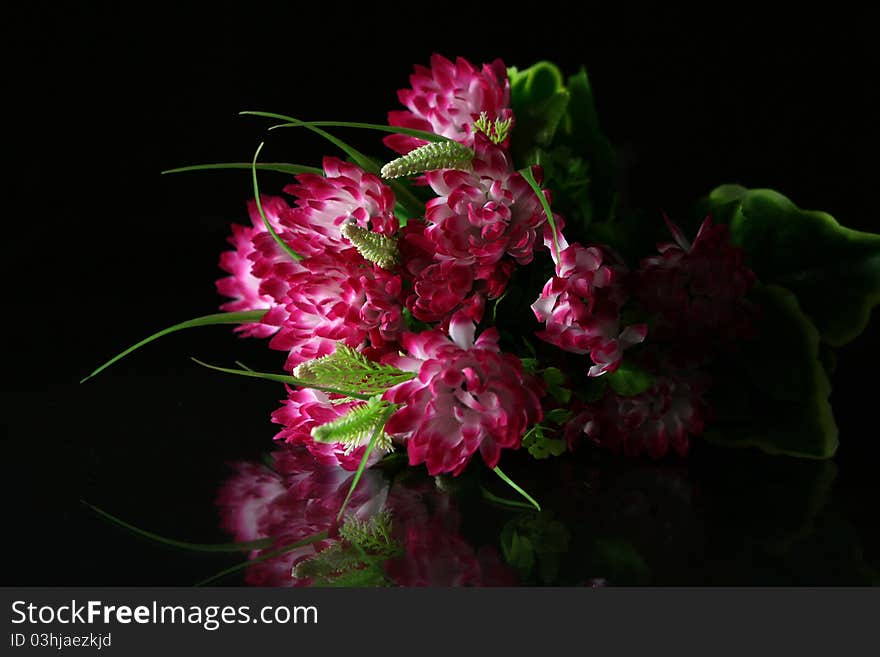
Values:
[(408, 201), (380, 427), (530, 178), (359, 158), (282, 378), (510, 482), (280, 167), (184, 545), (314, 538), (246, 317), (293, 254), (410, 132)]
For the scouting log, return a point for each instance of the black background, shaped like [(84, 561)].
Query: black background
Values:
[(100, 250)]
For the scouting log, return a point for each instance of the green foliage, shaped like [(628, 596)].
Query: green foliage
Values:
[(356, 427), (246, 317), (558, 128), (510, 482), (280, 242), (781, 403), (529, 177), (349, 370), (554, 379), (542, 446), (496, 131), (834, 271), (629, 380), (533, 544)]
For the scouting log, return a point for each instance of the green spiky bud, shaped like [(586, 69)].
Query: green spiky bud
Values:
[(357, 427), (430, 157), (379, 249)]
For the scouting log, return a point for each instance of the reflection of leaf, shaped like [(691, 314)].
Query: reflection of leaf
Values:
[(619, 562), (794, 416), (535, 539), (833, 270)]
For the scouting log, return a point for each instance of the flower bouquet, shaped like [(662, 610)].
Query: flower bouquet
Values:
[(482, 292)]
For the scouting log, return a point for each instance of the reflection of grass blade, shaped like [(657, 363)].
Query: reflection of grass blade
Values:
[(283, 378), (246, 317), (405, 198), (280, 167), (530, 178), (503, 501), (284, 246), (510, 482), (314, 538), (377, 432), (184, 545)]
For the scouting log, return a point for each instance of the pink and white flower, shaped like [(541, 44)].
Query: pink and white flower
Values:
[(467, 397), (580, 308), (337, 296), (446, 99)]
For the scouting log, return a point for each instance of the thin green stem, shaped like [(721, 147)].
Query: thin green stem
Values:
[(510, 482)]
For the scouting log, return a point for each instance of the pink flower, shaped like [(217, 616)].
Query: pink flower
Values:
[(648, 424), (483, 215), (258, 290), (467, 397), (305, 409), (580, 308), (698, 291), (325, 202), (446, 99), (337, 296)]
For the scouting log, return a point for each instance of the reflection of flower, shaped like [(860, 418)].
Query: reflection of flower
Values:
[(447, 97), (647, 424), (468, 396), (300, 496)]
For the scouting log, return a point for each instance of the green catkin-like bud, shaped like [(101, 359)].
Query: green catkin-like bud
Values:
[(379, 249), (357, 427), (430, 157)]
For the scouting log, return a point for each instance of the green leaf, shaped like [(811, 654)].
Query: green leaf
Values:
[(539, 100), (630, 380), (618, 561), (586, 139), (792, 414), (246, 317), (510, 482), (558, 416), (184, 545), (535, 539), (411, 132), (283, 378), (280, 242), (348, 369), (554, 379), (540, 445), (833, 270), (279, 167)]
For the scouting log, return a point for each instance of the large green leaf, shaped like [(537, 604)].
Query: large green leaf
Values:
[(833, 270), (788, 412), (539, 100)]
